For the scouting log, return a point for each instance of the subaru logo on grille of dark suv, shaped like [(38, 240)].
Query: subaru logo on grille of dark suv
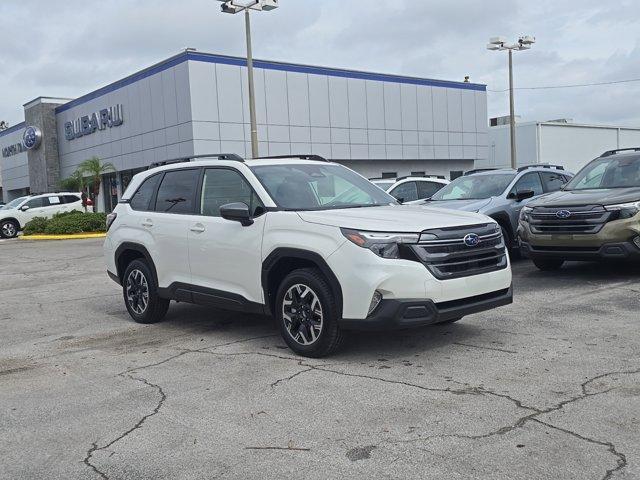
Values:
[(471, 240), (563, 214)]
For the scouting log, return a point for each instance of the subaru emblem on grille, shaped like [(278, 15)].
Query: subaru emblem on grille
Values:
[(471, 240), (563, 214)]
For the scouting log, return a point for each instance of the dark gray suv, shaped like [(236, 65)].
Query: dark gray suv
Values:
[(501, 194)]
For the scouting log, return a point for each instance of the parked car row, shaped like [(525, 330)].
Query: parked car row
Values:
[(17, 213)]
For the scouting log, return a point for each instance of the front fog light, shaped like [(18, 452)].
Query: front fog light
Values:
[(375, 301), (637, 241)]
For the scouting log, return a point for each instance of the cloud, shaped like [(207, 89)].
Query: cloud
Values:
[(71, 48)]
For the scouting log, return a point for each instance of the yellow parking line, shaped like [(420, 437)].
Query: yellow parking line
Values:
[(73, 236)]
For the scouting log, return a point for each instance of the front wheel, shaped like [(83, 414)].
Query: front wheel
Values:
[(548, 264), (307, 314), (141, 294), (8, 229)]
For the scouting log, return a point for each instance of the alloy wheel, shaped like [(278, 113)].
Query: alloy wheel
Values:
[(302, 314), (137, 291), (9, 229)]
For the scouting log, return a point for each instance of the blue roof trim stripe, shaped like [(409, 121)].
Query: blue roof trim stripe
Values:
[(13, 128), (268, 65)]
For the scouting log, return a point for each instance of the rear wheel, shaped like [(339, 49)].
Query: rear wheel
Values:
[(9, 229), (140, 294), (548, 264), (307, 314)]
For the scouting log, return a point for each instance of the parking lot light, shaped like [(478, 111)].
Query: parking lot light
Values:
[(500, 43), (233, 7)]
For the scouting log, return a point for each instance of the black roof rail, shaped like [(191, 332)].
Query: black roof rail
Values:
[(540, 165), (618, 150), (219, 156), (301, 157), (420, 176), (477, 170)]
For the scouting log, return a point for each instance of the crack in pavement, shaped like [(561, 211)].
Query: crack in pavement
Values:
[(495, 349), (94, 446)]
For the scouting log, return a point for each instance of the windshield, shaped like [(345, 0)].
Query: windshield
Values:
[(608, 172), (475, 187), (319, 187), (14, 203)]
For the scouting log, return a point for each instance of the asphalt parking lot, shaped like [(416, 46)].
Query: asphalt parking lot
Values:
[(546, 388)]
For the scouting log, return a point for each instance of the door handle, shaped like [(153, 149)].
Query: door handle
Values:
[(197, 228), (147, 223)]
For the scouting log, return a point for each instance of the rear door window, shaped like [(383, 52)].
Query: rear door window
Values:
[(427, 189), (177, 191), (552, 181)]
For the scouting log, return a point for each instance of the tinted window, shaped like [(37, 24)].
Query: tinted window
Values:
[(427, 189), (177, 191), (37, 202), (71, 198), (552, 181), (221, 186), (406, 192), (142, 197), (529, 181)]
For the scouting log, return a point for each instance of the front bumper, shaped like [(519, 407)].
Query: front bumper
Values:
[(396, 314), (617, 250)]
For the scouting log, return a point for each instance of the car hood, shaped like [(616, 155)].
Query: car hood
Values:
[(465, 205), (393, 218), (568, 198)]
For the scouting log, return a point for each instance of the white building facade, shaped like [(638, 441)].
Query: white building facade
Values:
[(571, 145), (196, 103)]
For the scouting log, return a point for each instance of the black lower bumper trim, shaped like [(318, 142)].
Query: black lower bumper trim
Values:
[(397, 314), (114, 277), (607, 251)]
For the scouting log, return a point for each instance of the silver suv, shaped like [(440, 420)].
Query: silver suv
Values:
[(501, 194)]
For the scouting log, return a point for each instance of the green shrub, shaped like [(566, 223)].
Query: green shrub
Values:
[(67, 223), (36, 225)]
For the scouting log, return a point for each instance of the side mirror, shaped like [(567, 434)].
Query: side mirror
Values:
[(24, 208), (400, 199), (238, 212), (524, 194)]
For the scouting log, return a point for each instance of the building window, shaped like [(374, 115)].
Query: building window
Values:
[(453, 174), (389, 174), (418, 174)]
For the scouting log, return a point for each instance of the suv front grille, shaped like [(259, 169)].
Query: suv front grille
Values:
[(580, 220), (450, 257)]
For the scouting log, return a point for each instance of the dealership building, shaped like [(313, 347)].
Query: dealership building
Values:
[(197, 103)]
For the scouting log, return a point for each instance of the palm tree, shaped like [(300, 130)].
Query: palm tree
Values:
[(94, 168), (73, 183)]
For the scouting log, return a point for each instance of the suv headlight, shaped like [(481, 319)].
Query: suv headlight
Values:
[(383, 244), (524, 214), (627, 210)]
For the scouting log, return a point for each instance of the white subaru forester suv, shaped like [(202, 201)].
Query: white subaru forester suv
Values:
[(307, 241)]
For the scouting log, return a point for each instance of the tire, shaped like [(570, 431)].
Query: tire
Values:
[(548, 264), (306, 308), (451, 320), (137, 280), (9, 229), (509, 243)]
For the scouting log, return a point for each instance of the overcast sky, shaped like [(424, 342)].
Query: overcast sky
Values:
[(67, 49)]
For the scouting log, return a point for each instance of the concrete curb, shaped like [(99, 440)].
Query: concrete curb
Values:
[(74, 236)]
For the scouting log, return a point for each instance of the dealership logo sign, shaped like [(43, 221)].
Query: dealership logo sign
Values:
[(14, 149), (88, 124), (31, 138)]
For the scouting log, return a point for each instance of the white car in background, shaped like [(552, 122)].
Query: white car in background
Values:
[(411, 188), (17, 213)]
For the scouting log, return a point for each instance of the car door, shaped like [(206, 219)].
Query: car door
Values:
[(528, 181), (35, 207), (225, 256), (163, 226), (56, 205)]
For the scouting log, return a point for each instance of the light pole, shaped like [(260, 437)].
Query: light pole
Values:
[(235, 6), (523, 43)]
